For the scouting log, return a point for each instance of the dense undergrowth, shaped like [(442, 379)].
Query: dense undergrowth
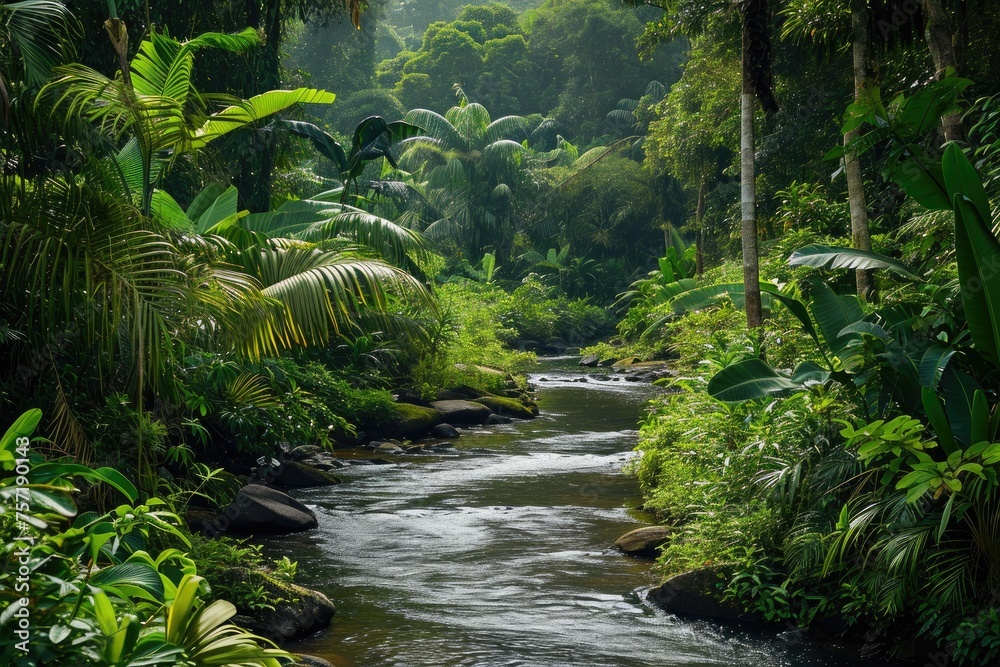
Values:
[(839, 465)]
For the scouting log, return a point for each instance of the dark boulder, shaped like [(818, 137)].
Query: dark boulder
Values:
[(261, 509), (643, 542), (298, 475), (695, 594), (445, 431), (590, 360)]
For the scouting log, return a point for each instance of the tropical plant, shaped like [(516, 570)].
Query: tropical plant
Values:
[(97, 596), (469, 167), (154, 106), (371, 142)]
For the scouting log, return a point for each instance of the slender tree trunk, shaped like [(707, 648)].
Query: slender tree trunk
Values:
[(940, 42), (699, 250), (748, 208), (860, 234)]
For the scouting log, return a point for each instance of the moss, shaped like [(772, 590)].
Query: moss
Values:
[(414, 420), (508, 406)]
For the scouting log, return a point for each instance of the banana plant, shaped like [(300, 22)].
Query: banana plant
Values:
[(156, 108), (372, 141)]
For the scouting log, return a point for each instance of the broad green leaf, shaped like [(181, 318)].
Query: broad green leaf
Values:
[(938, 419), (920, 178), (959, 390), (922, 111), (47, 472), (834, 313), (134, 574), (169, 213), (977, 254), (253, 109), (828, 257), (810, 371), (22, 427), (204, 199), (933, 363), (223, 207), (322, 141), (961, 178), (748, 380), (864, 327)]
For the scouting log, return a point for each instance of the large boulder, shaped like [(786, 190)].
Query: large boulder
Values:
[(301, 612), (508, 407), (412, 421), (297, 475), (643, 542), (261, 509), (462, 412), (590, 360), (445, 431), (695, 594)]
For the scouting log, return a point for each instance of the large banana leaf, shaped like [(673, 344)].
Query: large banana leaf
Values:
[(959, 390), (834, 313), (322, 141), (748, 380), (827, 257), (977, 253), (254, 109)]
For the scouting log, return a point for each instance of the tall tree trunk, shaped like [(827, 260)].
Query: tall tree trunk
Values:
[(860, 235), (757, 84), (748, 209), (699, 250), (941, 44)]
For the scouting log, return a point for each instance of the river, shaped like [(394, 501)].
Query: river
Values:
[(498, 552)]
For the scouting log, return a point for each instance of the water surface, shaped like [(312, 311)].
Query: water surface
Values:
[(499, 551)]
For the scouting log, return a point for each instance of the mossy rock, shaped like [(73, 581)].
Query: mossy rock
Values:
[(298, 611), (415, 420), (508, 407)]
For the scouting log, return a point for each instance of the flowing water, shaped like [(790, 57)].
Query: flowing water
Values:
[(498, 552)]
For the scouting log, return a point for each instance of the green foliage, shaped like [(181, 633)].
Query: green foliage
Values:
[(96, 594)]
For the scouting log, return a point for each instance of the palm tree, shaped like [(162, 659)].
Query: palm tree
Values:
[(321, 264), (468, 166), (155, 105)]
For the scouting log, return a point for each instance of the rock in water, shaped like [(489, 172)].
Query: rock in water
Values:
[(311, 661), (695, 593), (260, 509), (643, 542), (508, 407), (298, 475), (304, 612), (413, 421), (445, 431), (590, 360), (462, 412)]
